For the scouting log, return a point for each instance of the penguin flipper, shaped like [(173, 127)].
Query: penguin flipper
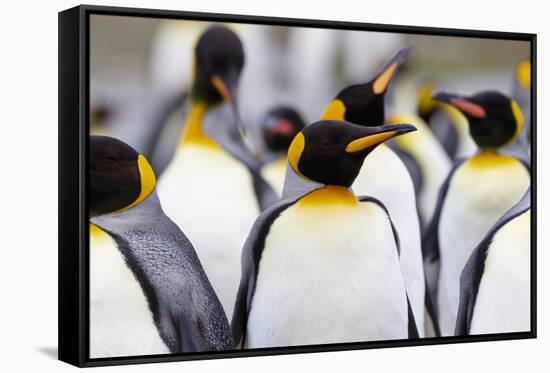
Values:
[(430, 245), (470, 277), (250, 259), (189, 333), (412, 327)]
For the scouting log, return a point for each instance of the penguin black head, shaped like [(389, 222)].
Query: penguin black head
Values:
[(280, 126), (364, 103), (494, 119), (120, 177), (332, 152), (219, 60)]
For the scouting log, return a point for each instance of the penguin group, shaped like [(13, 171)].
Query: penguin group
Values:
[(363, 223)]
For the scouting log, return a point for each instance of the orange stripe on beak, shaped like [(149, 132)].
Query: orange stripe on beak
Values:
[(469, 108), (220, 86), (382, 82)]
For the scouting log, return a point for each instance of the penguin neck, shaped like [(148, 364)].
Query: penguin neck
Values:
[(489, 158), (96, 233), (296, 186), (144, 215), (194, 132), (329, 195)]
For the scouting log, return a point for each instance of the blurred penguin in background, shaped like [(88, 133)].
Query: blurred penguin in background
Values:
[(148, 291), (477, 192), (170, 75), (171, 70), (279, 127), (495, 285), (212, 188), (384, 176)]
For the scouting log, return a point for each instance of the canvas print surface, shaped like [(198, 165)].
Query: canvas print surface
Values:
[(256, 186)]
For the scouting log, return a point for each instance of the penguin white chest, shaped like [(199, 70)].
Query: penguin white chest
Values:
[(385, 177), (121, 322), (328, 274), (480, 192), (210, 196), (503, 299)]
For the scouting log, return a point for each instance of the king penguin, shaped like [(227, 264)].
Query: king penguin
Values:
[(212, 189), (279, 127), (476, 193), (384, 176), (323, 267), (495, 285), (148, 291)]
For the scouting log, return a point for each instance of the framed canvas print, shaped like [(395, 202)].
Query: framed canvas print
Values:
[(234, 186)]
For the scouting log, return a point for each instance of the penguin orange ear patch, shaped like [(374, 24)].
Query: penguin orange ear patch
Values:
[(469, 108), (295, 152), (334, 111), (382, 82)]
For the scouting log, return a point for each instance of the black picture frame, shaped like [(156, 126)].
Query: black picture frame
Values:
[(74, 43)]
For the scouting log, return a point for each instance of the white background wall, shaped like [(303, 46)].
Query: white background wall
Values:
[(28, 184)]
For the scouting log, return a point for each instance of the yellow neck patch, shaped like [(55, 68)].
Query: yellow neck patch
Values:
[(295, 152), (523, 74), (368, 141), (98, 237), (490, 159), (334, 111), (329, 195), (193, 133), (147, 182), (382, 82), (96, 232)]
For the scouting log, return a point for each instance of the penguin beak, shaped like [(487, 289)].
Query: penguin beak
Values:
[(226, 85), (461, 103), (370, 137), (383, 78)]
